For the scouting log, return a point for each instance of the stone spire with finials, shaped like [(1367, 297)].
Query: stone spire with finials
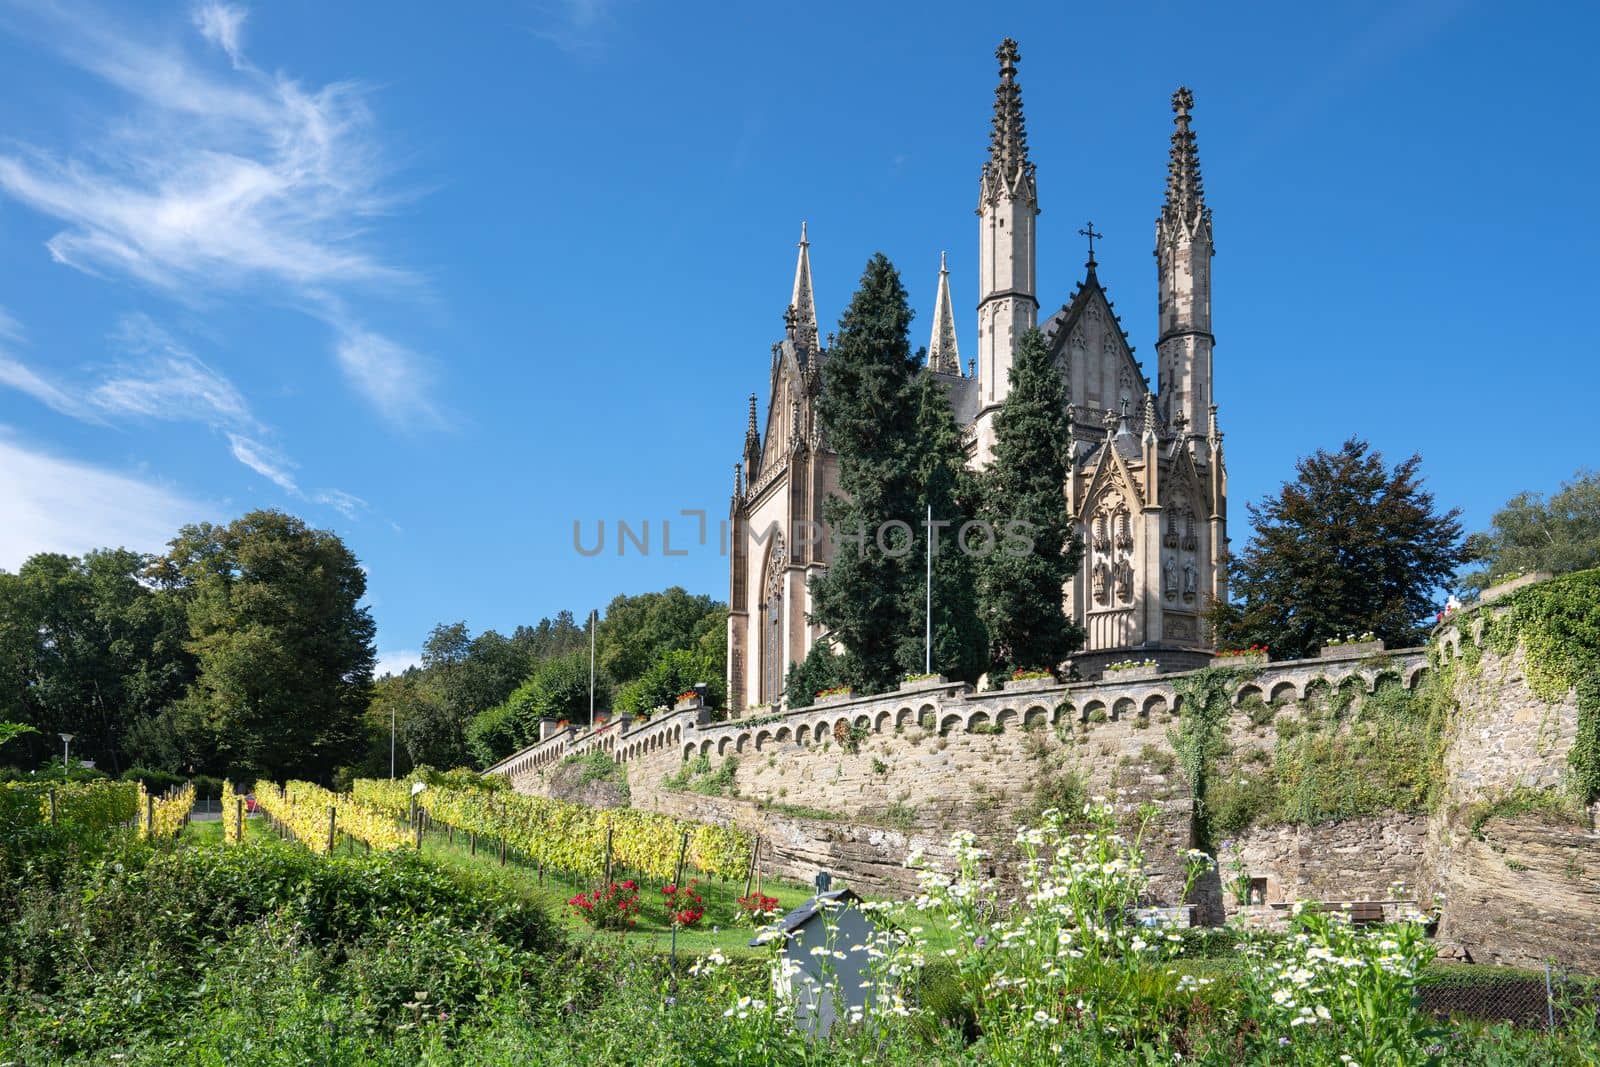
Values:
[(1008, 209), (1183, 270), (943, 355), (1185, 208), (802, 300), (1008, 165), (752, 444)]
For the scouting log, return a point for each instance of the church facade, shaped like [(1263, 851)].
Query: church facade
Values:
[(1146, 485)]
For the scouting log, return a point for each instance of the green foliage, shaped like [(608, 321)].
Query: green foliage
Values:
[(282, 646), (1558, 625), (89, 646), (868, 410), (1546, 805), (1064, 790), (1529, 534), (822, 669), (697, 775), (558, 688), (11, 730), (1020, 592), (943, 482), (1204, 701), (583, 768), (674, 673), (637, 632), (1347, 547)]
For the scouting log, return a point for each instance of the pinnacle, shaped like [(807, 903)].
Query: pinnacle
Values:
[(1186, 203)]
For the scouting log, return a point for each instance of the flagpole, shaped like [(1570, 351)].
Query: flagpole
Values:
[(594, 619), (927, 659)]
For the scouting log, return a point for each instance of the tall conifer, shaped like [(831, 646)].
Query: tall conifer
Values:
[(1021, 593), (868, 412), (959, 642)]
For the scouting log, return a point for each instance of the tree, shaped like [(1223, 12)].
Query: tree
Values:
[(1532, 534), (282, 644), (868, 410), (1022, 580), (823, 668), (89, 646), (669, 677), (959, 641), (1347, 547), (637, 630), (558, 688)]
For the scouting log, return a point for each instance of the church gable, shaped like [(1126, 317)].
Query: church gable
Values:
[(1088, 344)]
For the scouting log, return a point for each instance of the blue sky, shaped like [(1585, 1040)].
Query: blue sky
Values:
[(445, 279)]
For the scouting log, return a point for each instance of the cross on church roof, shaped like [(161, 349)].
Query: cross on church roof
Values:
[(1088, 232)]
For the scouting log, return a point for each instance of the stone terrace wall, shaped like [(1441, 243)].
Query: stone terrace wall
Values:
[(1518, 889), (852, 786)]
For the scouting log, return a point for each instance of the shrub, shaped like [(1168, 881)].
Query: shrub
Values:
[(616, 907)]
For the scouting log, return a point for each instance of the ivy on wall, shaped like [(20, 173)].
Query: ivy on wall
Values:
[(1557, 622)]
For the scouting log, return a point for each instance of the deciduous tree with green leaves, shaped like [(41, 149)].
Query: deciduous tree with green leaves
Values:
[(282, 644), (1021, 594), (1349, 546), (1531, 533)]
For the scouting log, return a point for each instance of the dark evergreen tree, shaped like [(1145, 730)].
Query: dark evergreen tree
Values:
[(960, 643), (1021, 584), (1347, 547), (823, 668), (868, 411)]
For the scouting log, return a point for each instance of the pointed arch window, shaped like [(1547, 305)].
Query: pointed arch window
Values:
[(773, 659)]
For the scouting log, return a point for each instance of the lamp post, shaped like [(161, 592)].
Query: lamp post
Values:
[(66, 750), (391, 742)]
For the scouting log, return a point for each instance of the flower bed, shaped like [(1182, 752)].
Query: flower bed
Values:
[(1255, 654), (1351, 645), (685, 907), (835, 695), (616, 907)]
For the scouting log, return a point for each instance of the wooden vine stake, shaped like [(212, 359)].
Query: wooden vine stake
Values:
[(608, 854), (238, 808), (755, 859), (677, 879), (333, 815)]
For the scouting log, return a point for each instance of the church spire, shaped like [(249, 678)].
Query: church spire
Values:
[(802, 301), (943, 356), (1008, 162), (1185, 208)]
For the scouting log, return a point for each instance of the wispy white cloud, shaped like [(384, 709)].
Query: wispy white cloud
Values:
[(221, 24), (168, 382), (395, 661), (218, 181), (24, 379), (54, 504), (160, 379), (211, 182), (576, 26), (395, 380), (10, 328), (347, 504), (264, 460)]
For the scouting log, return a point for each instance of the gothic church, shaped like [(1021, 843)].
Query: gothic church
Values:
[(1146, 486)]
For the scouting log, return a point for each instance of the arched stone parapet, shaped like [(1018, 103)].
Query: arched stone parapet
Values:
[(883, 721), (862, 722), (803, 734), (1094, 710), (1123, 709), (949, 723), (1416, 675), (1035, 716), (1007, 719), (1284, 692), (978, 720), (784, 735), (905, 717), (1249, 691), (688, 751), (763, 738), (705, 747), (1065, 711), (741, 742)]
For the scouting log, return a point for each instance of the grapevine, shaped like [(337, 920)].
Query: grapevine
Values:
[(162, 817), (571, 838)]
